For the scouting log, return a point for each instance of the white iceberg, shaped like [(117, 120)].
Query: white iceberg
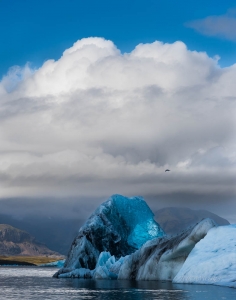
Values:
[(213, 259)]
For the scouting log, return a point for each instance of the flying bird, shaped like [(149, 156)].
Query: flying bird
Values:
[(167, 170)]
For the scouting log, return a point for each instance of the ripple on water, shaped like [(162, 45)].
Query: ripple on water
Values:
[(37, 283)]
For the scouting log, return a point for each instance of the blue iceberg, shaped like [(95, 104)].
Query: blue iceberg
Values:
[(120, 226), (56, 264), (138, 217)]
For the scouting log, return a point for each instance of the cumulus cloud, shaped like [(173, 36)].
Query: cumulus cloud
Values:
[(98, 122), (220, 26)]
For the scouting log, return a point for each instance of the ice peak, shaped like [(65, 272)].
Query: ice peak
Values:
[(119, 225)]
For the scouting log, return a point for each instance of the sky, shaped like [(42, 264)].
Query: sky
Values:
[(99, 98)]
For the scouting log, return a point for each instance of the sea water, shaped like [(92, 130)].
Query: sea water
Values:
[(38, 283)]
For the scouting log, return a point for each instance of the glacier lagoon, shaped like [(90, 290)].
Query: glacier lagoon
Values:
[(147, 251), (121, 240), (37, 283)]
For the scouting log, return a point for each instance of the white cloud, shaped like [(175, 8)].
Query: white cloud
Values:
[(98, 122)]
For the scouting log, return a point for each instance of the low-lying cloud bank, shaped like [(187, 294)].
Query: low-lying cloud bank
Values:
[(98, 122)]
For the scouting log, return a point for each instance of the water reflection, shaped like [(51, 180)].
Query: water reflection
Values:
[(35, 283), (128, 290)]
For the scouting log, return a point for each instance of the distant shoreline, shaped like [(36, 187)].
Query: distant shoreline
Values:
[(6, 262), (27, 260)]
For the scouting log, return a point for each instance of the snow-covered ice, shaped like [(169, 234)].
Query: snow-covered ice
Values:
[(213, 259)]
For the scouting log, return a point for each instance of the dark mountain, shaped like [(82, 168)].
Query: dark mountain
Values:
[(57, 224), (55, 232), (53, 222), (14, 241), (176, 219)]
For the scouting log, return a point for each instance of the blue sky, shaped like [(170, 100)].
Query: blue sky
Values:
[(95, 122), (34, 31)]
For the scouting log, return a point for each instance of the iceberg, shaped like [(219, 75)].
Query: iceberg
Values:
[(119, 226), (56, 264), (107, 266), (158, 259), (213, 259), (161, 259), (121, 240)]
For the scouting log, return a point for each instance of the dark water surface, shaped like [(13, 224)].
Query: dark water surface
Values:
[(37, 283)]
